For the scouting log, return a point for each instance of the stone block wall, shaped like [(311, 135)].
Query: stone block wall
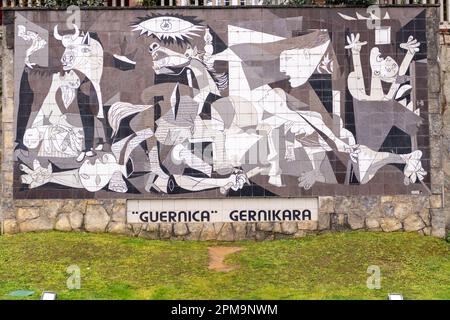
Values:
[(444, 39), (381, 213), (426, 213)]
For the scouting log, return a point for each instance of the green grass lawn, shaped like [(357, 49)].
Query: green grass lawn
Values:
[(329, 266)]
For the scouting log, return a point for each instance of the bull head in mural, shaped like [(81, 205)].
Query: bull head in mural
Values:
[(85, 54)]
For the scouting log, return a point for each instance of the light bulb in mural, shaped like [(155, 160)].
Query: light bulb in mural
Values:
[(168, 28)]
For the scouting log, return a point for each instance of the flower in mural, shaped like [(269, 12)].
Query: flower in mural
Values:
[(325, 65), (168, 28)]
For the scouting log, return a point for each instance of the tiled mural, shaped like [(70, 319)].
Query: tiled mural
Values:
[(214, 103)]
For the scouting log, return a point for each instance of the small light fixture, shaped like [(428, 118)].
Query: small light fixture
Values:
[(395, 296), (47, 295)]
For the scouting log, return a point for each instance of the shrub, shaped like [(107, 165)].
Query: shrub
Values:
[(66, 3), (350, 2), (332, 2), (147, 3)]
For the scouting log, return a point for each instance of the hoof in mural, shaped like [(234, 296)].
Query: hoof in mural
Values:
[(84, 154), (117, 183), (236, 182), (276, 181), (353, 152), (81, 156)]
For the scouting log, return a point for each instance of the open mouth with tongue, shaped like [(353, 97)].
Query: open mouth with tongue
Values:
[(166, 61)]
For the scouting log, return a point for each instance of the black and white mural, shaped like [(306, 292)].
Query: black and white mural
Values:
[(212, 103)]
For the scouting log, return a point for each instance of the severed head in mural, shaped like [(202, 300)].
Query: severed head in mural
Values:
[(299, 102)]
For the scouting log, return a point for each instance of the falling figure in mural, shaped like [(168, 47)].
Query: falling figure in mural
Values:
[(365, 161), (380, 112), (85, 54), (383, 69)]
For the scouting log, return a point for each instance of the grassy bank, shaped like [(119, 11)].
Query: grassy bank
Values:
[(329, 266)]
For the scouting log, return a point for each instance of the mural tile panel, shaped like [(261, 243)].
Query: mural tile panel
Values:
[(221, 103)]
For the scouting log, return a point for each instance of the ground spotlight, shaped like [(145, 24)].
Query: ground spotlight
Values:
[(47, 295), (395, 296)]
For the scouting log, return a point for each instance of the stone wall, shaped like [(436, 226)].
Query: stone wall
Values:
[(383, 213), (426, 214), (7, 126), (1, 102)]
